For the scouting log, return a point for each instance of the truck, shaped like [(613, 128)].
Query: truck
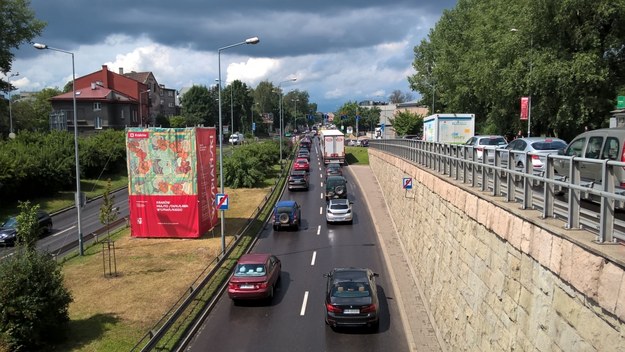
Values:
[(448, 128), (332, 146)]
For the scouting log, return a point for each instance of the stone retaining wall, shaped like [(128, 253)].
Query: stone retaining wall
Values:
[(494, 278)]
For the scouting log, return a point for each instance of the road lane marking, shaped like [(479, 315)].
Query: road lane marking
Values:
[(312, 262), (321, 195), (321, 184), (318, 229), (320, 210), (303, 310), (63, 231)]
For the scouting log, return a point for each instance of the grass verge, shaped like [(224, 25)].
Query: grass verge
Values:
[(357, 155)]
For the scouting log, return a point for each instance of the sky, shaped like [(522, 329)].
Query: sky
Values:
[(338, 51)]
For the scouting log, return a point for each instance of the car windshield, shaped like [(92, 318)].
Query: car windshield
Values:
[(548, 145), (243, 270), (10, 223)]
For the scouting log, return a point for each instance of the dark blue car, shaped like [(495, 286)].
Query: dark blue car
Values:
[(287, 213)]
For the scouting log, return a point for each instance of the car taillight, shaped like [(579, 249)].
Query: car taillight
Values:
[(368, 309), (294, 216), (333, 309), (623, 155), (535, 157), (262, 285), (232, 286)]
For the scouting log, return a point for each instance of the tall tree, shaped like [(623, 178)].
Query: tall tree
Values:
[(197, 105), (19, 25), (108, 211), (484, 55)]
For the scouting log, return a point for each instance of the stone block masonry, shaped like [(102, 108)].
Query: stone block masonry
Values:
[(498, 278)]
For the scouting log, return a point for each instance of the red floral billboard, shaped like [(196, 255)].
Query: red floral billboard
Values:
[(172, 181)]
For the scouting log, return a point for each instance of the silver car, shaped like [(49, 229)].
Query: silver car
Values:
[(539, 147), (486, 144), (339, 210)]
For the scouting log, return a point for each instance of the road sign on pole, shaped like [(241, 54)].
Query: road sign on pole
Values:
[(407, 183), (222, 201)]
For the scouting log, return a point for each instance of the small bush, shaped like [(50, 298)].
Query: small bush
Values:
[(34, 309)]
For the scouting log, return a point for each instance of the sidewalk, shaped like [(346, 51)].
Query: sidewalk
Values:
[(420, 332)]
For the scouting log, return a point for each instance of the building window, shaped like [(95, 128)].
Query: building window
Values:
[(98, 123), (170, 93), (97, 106), (171, 105)]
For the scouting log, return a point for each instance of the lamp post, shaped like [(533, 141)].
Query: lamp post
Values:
[(11, 134), (78, 198), (141, 106), (281, 128), (295, 116), (253, 40), (231, 108), (529, 88)]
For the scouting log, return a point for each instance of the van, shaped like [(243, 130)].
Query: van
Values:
[(236, 138), (601, 144)]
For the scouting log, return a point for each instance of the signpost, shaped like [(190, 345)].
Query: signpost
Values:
[(222, 201)]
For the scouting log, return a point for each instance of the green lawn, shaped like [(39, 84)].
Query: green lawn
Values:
[(357, 155)]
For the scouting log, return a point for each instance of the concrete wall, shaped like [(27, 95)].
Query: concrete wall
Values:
[(497, 278)]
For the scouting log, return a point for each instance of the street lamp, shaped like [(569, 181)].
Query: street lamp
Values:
[(11, 135), (141, 106), (295, 116), (78, 198), (281, 131), (529, 88), (253, 40)]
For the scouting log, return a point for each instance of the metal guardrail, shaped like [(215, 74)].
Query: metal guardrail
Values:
[(556, 196), (151, 340)]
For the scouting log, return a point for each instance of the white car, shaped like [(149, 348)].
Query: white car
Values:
[(339, 210)]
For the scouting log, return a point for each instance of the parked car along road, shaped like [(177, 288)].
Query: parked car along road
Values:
[(339, 210), (255, 277), (486, 144), (601, 144), (539, 147), (287, 213), (8, 230), (352, 298)]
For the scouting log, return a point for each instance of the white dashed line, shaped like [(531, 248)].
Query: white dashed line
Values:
[(321, 195), (318, 230), (312, 262), (320, 210), (303, 310)]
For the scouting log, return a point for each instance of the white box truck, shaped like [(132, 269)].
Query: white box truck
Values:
[(448, 128), (332, 146)]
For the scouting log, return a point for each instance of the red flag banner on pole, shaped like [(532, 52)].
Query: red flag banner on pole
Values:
[(524, 108)]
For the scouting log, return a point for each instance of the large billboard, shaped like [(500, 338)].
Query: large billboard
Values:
[(172, 181)]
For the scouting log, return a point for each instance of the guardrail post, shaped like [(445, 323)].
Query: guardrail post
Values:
[(483, 171), (549, 191), (496, 180), (606, 218), (527, 182), (574, 196), (510, 184), (473, 167)]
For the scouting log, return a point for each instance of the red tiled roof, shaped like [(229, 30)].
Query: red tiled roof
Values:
[(99, 93)]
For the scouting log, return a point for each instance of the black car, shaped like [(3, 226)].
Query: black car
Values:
[(298, 179), (336, 187), (286, 213), (8, 230), (304, 153), (352, 298), (334, 169)]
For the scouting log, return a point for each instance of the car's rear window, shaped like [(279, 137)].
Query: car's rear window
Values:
[(335, 182), (351, 289), (284, 209), (549, 145), (250, 270), (339, 206), (493, 141)]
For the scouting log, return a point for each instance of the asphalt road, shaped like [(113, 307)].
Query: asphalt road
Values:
[(294, 320)]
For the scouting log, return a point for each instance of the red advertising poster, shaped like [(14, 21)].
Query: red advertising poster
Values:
[(524, 108), (169, 181)]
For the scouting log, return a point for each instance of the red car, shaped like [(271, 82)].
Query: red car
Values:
[(301, 164), (255, 277)]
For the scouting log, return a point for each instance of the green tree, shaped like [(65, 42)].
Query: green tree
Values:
[(406, 122), (398, 97), (567, 55), (19, 26), (198, 105), (108, 211), (35, 303)]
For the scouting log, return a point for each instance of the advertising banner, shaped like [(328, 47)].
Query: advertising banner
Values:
[(171, 181), (524, 108)]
